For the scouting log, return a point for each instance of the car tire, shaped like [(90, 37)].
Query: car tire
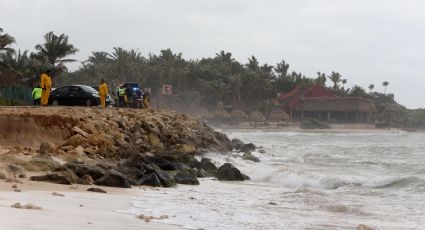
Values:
[(55, 103), (88, 103)]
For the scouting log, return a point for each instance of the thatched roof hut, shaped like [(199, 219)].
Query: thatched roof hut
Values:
[(238, 116), (220, 115), (278, 115), (336, 104), (256, 116)]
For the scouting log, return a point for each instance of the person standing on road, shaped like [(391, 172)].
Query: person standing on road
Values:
[(146, 99), (36, 95), (103, 92), (46, 87)]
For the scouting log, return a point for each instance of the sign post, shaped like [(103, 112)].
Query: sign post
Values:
[(167, 89)]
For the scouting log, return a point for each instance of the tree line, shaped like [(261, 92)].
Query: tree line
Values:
[(210, 82)]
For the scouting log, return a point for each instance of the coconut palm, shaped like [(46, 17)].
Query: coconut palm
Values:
[(20, 62), (54, 50), (385, 84), (5, 40), (344, 81), (336, 78), (371, 87), (282, 69)]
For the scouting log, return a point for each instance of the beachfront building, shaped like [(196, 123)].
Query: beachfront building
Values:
[(320, 103)]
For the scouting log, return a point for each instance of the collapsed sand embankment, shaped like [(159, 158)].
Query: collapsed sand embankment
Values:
[(113, 147)]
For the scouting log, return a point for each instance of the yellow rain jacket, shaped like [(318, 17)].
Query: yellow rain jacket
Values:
[(46, 87), (103, 91)]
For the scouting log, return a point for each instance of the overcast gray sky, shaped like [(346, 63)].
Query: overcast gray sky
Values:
[(366, 41)]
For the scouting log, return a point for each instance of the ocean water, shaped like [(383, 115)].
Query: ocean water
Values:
[(306, 181)]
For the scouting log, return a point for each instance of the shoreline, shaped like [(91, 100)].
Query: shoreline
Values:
[(335, 128)]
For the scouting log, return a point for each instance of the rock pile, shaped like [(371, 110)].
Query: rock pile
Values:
[(125, 147)]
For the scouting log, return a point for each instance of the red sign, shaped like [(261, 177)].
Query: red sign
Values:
[(167, 89)]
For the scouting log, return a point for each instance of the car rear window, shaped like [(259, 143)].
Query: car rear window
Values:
[(88, 89)]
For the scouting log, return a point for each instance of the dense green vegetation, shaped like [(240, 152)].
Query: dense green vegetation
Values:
[(211, 83)]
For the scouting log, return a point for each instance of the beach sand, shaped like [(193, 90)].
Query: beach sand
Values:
[(77, 209)]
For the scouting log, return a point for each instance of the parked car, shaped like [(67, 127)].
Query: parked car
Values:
[(72, 95), (109, 100)]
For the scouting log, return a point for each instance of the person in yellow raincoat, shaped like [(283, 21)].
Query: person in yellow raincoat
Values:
[(146, 100), (46, 87), (103, 92)]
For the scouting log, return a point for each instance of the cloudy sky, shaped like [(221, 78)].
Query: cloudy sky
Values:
[(366, 41)]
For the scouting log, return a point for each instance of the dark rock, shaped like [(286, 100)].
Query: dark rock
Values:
[(16, 170), (2, 176), (96, 190), (81, 169), (262, 151), (248, 148), (113, 179), (186, 178), (272, 203), (150, 179), (228, 172), (237, 144), (41, 164), (250, 157), (201, 173), (45, 148), (52, 178), (208, 166), (134, 161), (162, 163), (166, 180), (67, 173), (131, 172), (86, 180)]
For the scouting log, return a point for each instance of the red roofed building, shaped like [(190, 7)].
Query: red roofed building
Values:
[(320, 103), (293, 98)]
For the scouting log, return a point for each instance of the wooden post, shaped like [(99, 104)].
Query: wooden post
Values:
[(357, 116), (290, 111), (302, 115), (345, 116), (329, 116)]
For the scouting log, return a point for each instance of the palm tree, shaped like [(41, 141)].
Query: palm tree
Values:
[(385, 84), (54, 50), (5, 40), (336, 78), (253, 64), (282, 69), (371, 87), (20, 62), (344, 81)]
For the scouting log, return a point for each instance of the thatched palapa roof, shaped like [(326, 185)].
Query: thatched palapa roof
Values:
[(278, 115), (336, 104), (257, 116), (238, 115)]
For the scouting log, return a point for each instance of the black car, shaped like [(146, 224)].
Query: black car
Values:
[(81, 95)]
